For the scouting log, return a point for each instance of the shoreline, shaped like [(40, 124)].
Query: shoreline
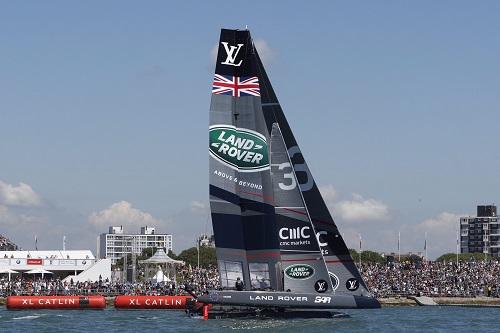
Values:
[(443, 301), (396, 301)]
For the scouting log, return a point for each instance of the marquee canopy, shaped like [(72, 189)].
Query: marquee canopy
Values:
[(160, 257)]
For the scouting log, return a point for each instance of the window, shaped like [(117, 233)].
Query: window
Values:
[(259, 275), (229, 271)]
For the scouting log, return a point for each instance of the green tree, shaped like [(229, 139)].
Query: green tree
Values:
[(367, 256), (372, 257), (464, 257), (171, 254), (145, 254), (207, 256), (413, 258)]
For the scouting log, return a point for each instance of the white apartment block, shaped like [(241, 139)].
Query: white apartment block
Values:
[(115, 244)]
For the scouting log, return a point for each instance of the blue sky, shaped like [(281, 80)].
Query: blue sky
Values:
[(104, 113)]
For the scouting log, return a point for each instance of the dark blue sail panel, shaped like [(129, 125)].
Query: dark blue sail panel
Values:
[(251, 227), (228, 231), (244, 233)]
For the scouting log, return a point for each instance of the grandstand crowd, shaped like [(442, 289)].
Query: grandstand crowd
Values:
[(197, 280), (443, 279), (467, 279)]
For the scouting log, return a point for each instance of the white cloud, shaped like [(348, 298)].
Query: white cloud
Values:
[(21, 195), (16, 219), (199, 207), (213, 52), (441, 233), (329, 194), (360, 209), (122, 213), (444, 222), (266, 53)]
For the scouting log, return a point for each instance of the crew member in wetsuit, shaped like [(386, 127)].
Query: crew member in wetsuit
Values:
[(239, 284)]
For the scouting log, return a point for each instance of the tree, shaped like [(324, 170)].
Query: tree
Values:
[(413, 258), (372, 257), (146, 253), (207, 256), (172, 255), (464, 257), (367, 256)]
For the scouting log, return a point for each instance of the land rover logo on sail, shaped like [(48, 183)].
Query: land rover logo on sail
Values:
[(239, 148), (299, 271)]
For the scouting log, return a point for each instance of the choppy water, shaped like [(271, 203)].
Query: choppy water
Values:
[(395, 319)]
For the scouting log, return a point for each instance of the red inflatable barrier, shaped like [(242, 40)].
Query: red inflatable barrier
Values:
[(56, 302), (151, 302)]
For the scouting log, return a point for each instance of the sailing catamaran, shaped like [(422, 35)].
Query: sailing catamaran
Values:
[(275, 238)]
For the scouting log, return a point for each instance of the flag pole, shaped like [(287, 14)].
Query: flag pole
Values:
[(457, 246), (425, 247), (360, 251), (399, 246), (198, 248)]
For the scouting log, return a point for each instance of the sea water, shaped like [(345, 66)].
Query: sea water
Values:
[(390, 319)]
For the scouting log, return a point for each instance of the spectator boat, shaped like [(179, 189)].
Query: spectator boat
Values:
[(276, 241)]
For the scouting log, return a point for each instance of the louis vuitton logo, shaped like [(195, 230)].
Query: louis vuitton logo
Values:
[(232, 53)]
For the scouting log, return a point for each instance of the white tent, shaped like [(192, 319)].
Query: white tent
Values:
[(160, 277), (8, 271), (39, 271), (158, 259)]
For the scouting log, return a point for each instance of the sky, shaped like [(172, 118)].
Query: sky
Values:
[(104, 114)]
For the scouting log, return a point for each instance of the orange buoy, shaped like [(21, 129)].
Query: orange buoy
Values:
[(151, 302), (55, 302), (205, 311)]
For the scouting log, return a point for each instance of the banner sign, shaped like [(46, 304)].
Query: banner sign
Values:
[(33, 261)]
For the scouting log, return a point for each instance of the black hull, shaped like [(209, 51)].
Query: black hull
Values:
[(232, 312), (289, 301)]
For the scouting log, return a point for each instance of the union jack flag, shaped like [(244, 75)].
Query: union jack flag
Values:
[(236, 86)]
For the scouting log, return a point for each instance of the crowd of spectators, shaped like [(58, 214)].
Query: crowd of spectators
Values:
[(198, 280), (435, 279)]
